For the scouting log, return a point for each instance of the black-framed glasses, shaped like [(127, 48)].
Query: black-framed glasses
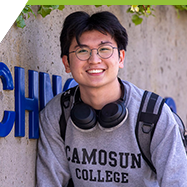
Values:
[(84, 53)]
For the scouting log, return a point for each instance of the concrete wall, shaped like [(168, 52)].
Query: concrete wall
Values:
[(155, 60)]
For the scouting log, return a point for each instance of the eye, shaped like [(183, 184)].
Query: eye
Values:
[(82, 51), (105, 49)]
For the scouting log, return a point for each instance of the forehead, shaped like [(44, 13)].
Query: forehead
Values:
[(92, 39)]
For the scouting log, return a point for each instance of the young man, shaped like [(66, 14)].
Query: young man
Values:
[(100, 146)]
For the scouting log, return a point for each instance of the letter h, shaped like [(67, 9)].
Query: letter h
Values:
[(22, 103)]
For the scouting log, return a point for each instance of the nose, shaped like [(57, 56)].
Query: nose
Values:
[(94, 56)]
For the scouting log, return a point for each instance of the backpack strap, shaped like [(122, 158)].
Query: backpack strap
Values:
[(149, 113), (66, 100)]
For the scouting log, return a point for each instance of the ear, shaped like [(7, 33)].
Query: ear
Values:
[(66, 64), (121, 58)]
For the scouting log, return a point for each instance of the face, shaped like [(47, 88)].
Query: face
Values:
[(94, 72)]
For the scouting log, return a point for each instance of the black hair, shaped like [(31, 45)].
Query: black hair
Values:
[(78, 22)]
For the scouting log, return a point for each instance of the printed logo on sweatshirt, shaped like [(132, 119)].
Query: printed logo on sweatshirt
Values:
[(84, 160)]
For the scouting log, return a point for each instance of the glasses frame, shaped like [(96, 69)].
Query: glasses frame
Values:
[(92, 50)]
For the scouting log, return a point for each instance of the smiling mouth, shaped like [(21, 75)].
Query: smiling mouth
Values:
[(95, 71)]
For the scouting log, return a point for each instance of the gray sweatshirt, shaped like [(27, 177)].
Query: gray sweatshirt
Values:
[(99, 157)]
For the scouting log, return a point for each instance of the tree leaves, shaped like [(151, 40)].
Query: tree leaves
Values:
[(138, 12), (20, 21), (44, 10), (137, 19), (180, 8)]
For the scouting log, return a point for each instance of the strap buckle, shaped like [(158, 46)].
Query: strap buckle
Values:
[(147, 127)]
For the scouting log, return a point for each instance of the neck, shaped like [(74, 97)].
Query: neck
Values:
[(99, 97)]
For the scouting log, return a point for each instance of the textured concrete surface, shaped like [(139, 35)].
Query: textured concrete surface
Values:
[(155, 60)]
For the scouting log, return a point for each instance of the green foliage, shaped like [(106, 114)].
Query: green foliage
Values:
[(101, 5), (137, 11), (140, 10), (20, 21), (180, 8), (136, 19), (44, 10)]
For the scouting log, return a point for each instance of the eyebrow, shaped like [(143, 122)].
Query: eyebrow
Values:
[(84, 45), (106, 42)]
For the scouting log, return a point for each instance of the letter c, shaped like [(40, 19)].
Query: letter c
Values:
[(9, 116)]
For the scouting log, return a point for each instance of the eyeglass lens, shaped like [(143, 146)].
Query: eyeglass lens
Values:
[(84, 53)]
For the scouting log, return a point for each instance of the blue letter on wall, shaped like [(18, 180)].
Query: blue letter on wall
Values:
[(57, 84), (9, 116), (22, 103), (46, 91)]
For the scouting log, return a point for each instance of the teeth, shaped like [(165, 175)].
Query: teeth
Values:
[(95, 71)]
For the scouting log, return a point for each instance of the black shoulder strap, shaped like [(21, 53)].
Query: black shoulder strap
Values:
[(149, 113), (65, 106)]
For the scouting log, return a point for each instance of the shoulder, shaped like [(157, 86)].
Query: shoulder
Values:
[(53, 108), (133, 95), (167, 119), (167, 129)]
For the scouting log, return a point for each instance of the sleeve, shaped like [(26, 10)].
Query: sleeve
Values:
[(168, 152), (51, 164)]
